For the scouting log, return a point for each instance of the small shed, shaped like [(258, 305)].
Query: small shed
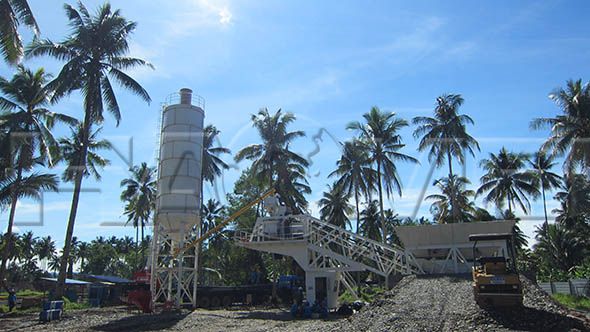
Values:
[(75, 290), (105, 290)]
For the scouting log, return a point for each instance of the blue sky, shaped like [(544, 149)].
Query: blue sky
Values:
[(327, 62)]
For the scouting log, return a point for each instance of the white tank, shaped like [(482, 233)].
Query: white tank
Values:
[(179, 175)]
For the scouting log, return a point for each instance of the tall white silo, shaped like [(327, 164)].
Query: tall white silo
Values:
[(177, 217), (179, 176)]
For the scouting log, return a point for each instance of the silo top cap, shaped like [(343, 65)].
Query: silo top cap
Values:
[(186, 96)]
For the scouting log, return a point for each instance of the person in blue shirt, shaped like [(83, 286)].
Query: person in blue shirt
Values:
[(11, 299)]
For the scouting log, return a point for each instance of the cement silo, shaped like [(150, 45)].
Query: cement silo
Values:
[(177, 217), (179, 176)]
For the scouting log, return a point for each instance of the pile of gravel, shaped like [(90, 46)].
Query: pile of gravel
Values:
[(445, 303)]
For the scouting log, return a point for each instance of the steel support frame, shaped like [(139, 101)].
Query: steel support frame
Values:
[(173, 279)]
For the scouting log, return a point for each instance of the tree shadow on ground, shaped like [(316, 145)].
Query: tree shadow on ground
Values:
[(531, 319), (143, 322)]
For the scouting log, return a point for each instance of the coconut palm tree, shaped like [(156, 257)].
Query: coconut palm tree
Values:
[(559, 246), (445, 134), (94, 53), (570, 131), (139, 193), (71, 149), (213, 165), (26, 246), (83, 253), (334, 206), (212, 213), (45, 248), (454, 203), (12, 14), (355, 173), (13, 189), (272, 161), (380, 135), (574, 210), (505, 180), (541, 165), (370, 225), (27, 133)]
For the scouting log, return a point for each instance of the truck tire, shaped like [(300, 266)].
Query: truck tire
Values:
[(226, 301), (204, 302), (215, 302)]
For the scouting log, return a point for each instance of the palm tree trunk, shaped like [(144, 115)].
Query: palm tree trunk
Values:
[(8, 235), (450, 164), (510, 203), (382, 214), (61, 278), (358, 213), (544, 204)]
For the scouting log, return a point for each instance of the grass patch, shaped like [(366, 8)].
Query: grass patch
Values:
[(368, 294), (23, 293), (69, 305), (573, 302)]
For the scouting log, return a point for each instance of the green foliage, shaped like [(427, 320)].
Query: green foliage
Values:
[(367, 294), (573, 302), (69, 305)]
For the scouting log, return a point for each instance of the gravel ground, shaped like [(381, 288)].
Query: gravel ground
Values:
[(119, 319), (423, 303), (446, 304)]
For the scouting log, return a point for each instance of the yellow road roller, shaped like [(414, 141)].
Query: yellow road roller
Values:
[(495, 278)]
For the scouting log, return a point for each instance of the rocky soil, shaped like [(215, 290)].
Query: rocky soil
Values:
[(119, 319), (423, 303), (446, 304)]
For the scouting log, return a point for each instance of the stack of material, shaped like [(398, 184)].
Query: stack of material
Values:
[(51, 311)]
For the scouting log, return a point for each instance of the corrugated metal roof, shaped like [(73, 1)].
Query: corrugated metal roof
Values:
[(69, 281), (113, 279)]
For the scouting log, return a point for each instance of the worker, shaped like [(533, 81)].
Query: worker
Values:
[(11, 299)]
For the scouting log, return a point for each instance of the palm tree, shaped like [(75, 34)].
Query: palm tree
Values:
[(272, 161), (213, 165), (212, 212), (83, 253), (140, 196), (11, 190), (72, 149), (334, 206), (560, 246), (574, 211), (355, 173), (454, 203), (28, 133), (45, 248), (570, 131), (94, 53), (445, 133), (541, 165), (26, 244), (381, 137), (12, 13), (370, 221), (505, 181)]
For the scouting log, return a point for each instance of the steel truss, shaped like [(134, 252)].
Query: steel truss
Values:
[(173, 277)]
